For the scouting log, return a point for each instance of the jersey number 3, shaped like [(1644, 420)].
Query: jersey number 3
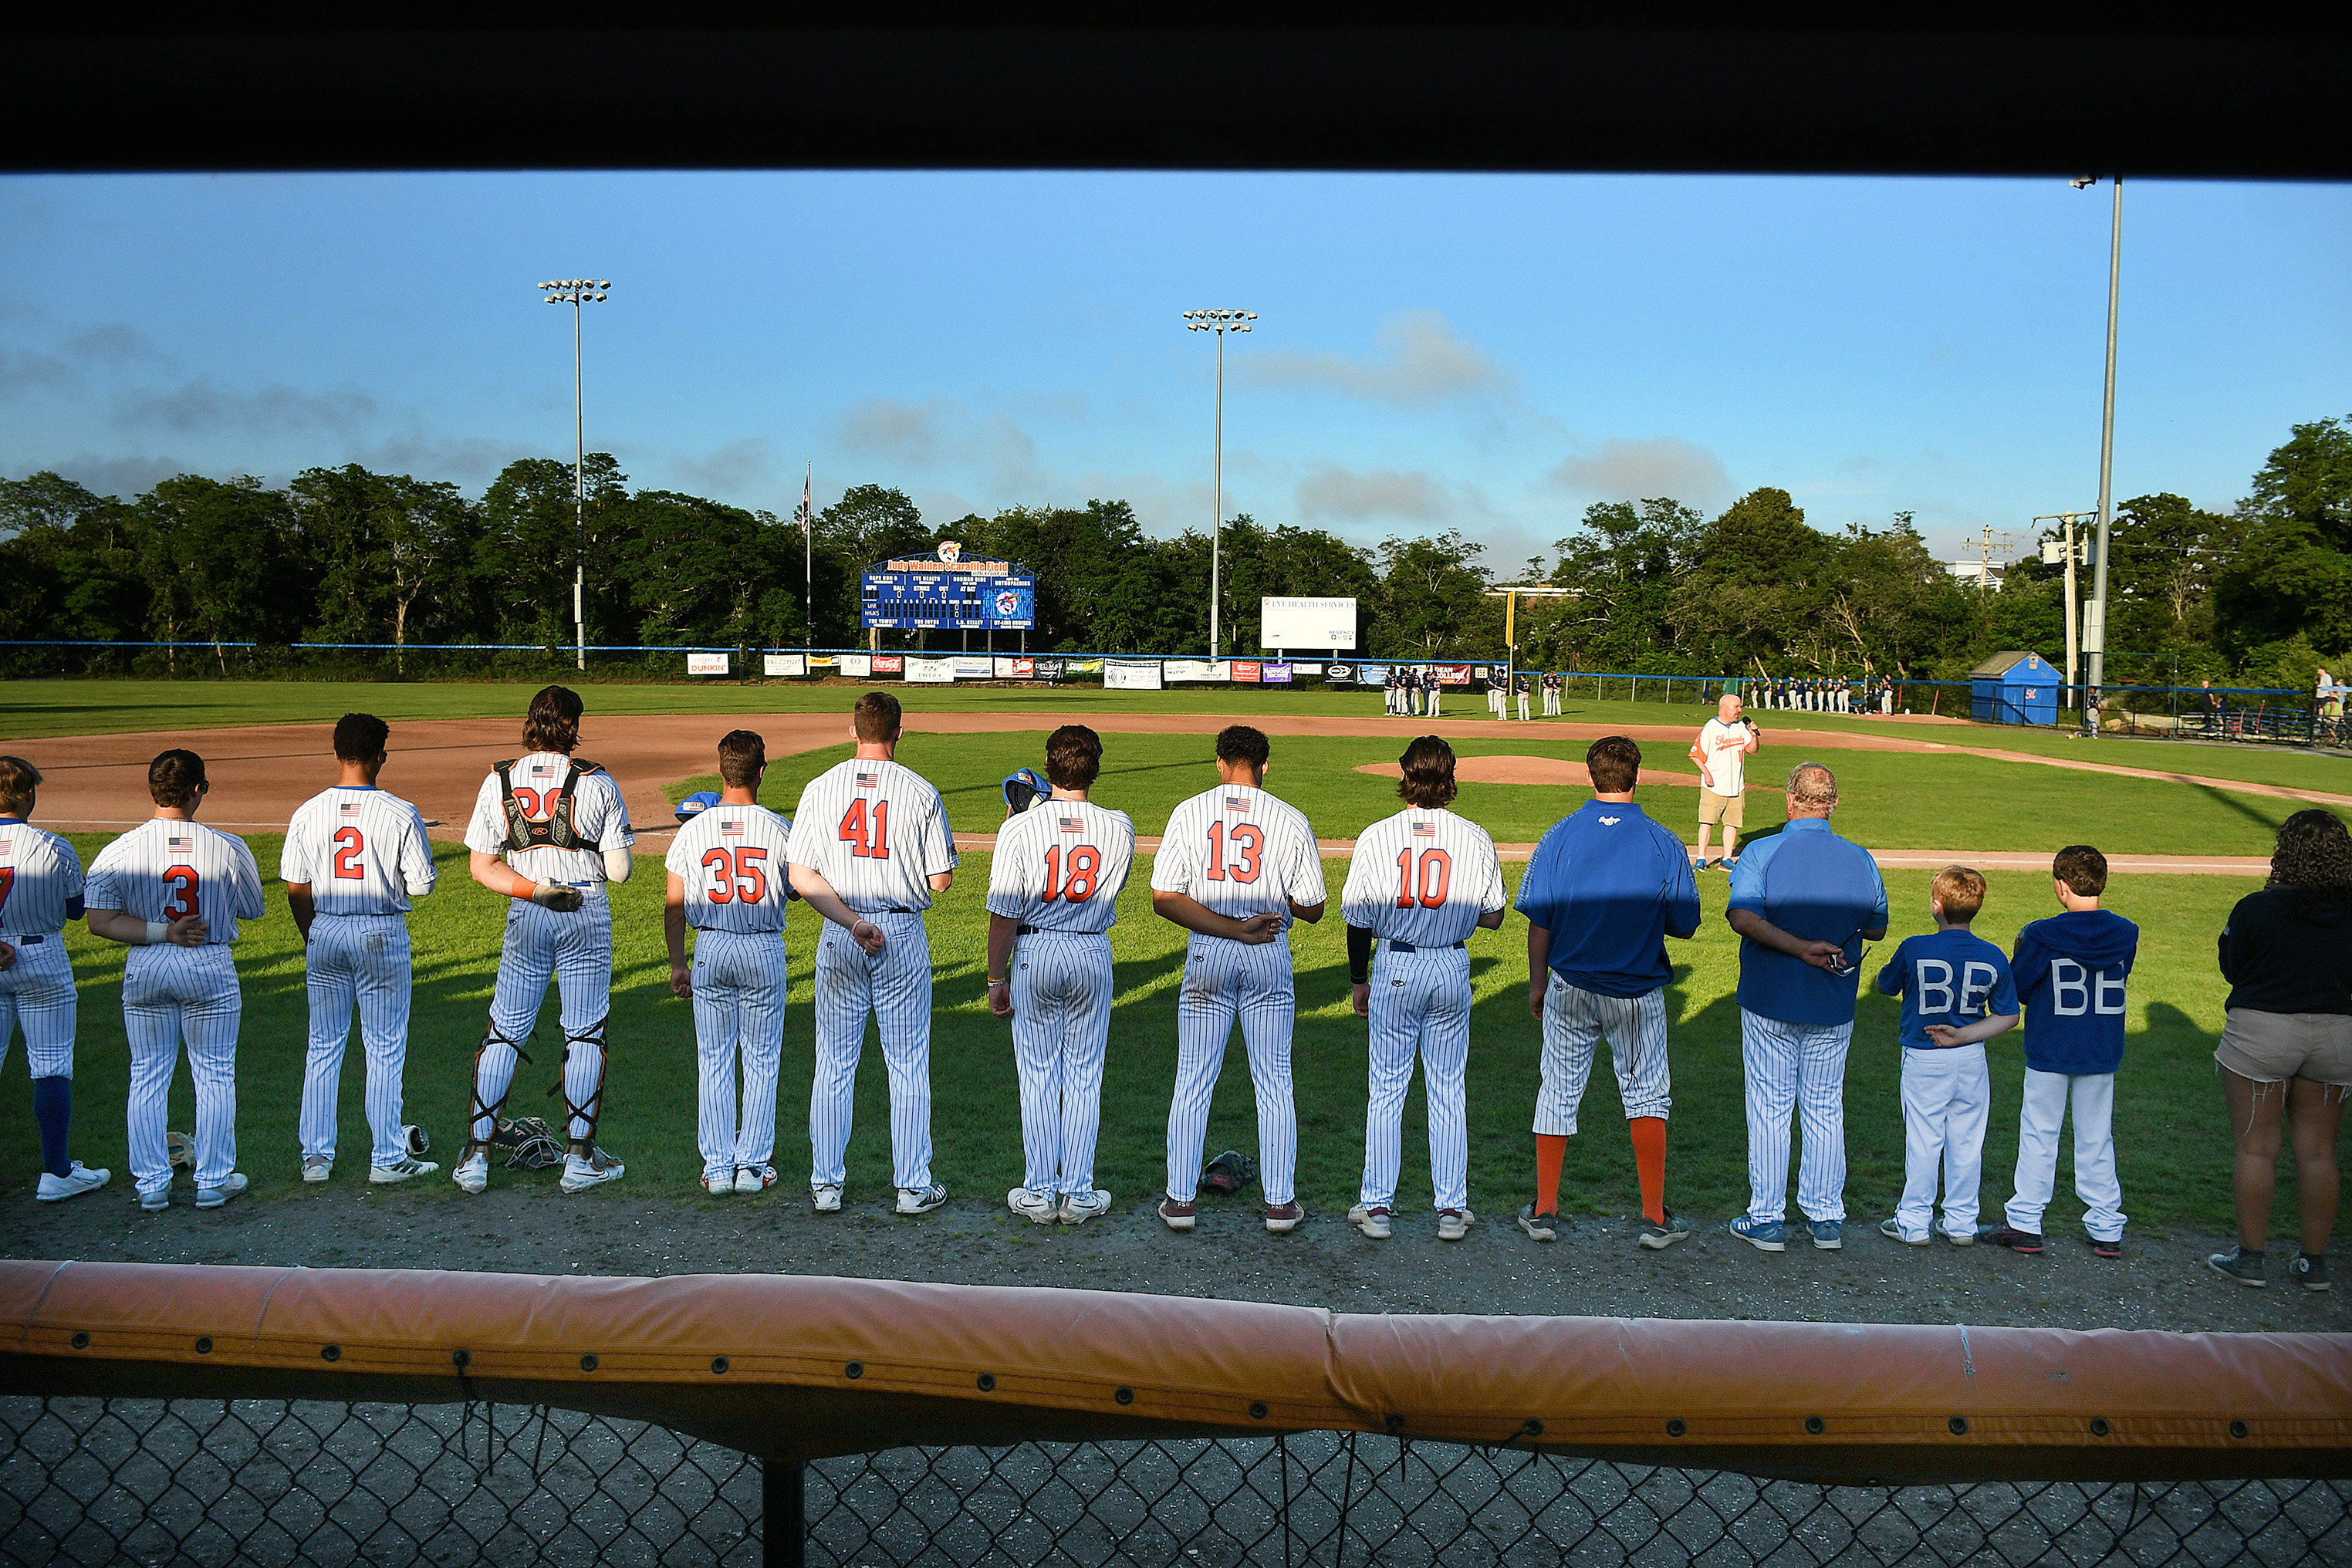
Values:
[(182, 904), (866, 834), (1436, 873), (1086, 869), (7, 884), (736, 875)]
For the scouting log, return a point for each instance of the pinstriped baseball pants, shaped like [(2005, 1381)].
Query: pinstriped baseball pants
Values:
[(1061, 1028), (895, 985), (1222, 979), (1799, 1067), (1575, 1022), (739, 1006), (36, 991), (1420, 1007), (173, 994), (359, 960)]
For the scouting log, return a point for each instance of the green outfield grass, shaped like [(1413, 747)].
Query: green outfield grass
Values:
[(2172, 1136)]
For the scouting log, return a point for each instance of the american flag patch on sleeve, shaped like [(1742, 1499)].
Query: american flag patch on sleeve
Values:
[(868, 780)]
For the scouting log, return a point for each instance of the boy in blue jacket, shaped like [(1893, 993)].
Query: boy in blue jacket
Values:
[(1957, 993), (2070, 971)]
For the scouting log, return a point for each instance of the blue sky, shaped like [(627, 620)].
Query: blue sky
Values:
[(1488, 353)]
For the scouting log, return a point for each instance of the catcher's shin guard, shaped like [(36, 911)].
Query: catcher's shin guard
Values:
[(589, 1107), (482, 1121)]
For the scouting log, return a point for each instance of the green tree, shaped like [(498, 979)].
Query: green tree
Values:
[(1433, 599), (393, 553), (524, 554)]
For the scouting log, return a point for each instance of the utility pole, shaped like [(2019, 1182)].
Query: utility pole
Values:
[(1992, 539), (2095, 632), (2073, 554)]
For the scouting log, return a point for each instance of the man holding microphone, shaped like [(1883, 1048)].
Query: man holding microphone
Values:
[(1724, 745)]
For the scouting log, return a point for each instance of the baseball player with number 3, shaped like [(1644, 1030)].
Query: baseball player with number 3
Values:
[(870, 846), (41, 889), (172, 890), (1052, 893), (727, 879), (1236, 866), (355, 857), (564, 833), (1419, 882)]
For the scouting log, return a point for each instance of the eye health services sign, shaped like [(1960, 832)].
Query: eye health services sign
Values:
[(1306, 623)]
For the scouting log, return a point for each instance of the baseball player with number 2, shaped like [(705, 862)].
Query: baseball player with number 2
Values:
[(1236, 866), (564, 833), (172, 890), (728, 880), (1052, 893), (41, 889), (870, 846), (355, 857), (1419, 882)]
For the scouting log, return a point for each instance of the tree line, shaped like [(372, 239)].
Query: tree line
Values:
[(345, 555)]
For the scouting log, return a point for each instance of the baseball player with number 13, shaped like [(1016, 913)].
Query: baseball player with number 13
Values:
[(1420, 882)]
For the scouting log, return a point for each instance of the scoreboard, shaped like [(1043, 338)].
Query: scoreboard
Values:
[(949, 591)]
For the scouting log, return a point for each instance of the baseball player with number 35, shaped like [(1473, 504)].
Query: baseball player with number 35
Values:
[(1236, 866), (870, 846), (564, 833), (41, 889), (727, 879), (172, 890), (1419, 882), (1052, 893), (355, 857)]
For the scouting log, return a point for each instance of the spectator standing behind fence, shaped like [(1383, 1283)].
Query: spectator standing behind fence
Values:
[(2286, 1047), (1724, 745), (1803, 902)]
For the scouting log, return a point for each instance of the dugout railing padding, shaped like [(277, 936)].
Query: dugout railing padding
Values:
[(796, 1367)]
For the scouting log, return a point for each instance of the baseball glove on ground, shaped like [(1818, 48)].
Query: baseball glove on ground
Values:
[(527, 1143), (414, 1136), (1024, 788), (1228, 1173), (180, 1150)]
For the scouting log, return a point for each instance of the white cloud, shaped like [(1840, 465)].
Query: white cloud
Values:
[(941, 430), (1346, 494), (1637, 471), (735, 469), (1424, 362), (204, 406)]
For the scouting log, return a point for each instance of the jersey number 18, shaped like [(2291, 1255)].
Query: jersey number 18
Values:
[(1086, 868)]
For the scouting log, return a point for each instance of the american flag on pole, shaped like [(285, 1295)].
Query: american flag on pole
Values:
[(807, 514)]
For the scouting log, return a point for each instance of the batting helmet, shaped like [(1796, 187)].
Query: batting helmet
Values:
[(1024, 788), (695, 805)]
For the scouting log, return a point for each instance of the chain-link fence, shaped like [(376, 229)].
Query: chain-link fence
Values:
[(210, 1481)]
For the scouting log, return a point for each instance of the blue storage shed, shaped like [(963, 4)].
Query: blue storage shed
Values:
[(2017, 687)]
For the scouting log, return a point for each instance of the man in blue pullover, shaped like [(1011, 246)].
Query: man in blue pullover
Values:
[(2070, 972)]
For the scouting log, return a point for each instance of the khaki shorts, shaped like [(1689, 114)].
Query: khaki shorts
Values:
[(2271, 1048), (1723, 808)]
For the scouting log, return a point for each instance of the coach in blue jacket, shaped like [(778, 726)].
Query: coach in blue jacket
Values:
[(1605, 888), (1803, 902)]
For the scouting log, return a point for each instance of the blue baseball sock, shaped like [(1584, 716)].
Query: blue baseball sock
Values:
[(53, 1109)]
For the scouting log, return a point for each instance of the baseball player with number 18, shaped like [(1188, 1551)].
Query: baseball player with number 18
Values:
[(1419, 882), (727, 879), (1052, 893), (355, 857), (870, 846), (41, 889), (172, 890)]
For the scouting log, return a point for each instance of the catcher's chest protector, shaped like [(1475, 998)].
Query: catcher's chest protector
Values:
[(553, 832)]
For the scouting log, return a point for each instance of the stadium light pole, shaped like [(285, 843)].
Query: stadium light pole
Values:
[(2092, 706), (576, 292), (1220, 323)]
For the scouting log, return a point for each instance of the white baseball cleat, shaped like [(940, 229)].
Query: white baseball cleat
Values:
[(79, 1179), (754, 1178), (473, 1172), (233, 1185), (594, 1170), (718, 1183), (1453, 1225), (408, 1167), (826, 1199), (1373, 1220), (1079, 1207), (316, 1168), (922, 1200), (1036, 1208)]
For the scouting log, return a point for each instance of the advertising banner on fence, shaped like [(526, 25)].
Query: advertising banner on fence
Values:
[(929, 671), (1306, 623), (1276, 673), (822, 664), (707, 663), (1296, 668), (786, 664), (1199, 669), (1372, 674), (1339, 674), (1082, 667), (1452, 674), (860, 665), (1047, 668), (972, 667), (1245, 671), (889, 663), (1015, 668), (1130, 674)]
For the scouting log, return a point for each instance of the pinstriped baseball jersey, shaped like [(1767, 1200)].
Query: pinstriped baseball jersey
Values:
[(732, 860), (40, 876), (1421, 877), (165, 869), (1238, 851), (361, 849), (598, 816), (1060, 865), (877, 832)]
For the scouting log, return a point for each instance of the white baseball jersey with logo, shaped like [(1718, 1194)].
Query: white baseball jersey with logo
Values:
[(166, 870), (360, 850), (599, 818), (1419, 881), (1724, 746), (878, 833), (1237, 851), (41, 889), (1058, 870), (734, 863)]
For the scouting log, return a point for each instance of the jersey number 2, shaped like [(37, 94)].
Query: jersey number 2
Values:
[(182, 904), (1086, 869), (866, 834), (736, 875), (350, 844), (1436, 873)]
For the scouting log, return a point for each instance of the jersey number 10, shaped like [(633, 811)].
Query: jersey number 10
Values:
[(866, 834), (1436, 873)]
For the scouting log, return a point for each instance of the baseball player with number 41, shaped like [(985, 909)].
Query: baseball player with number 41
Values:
[(1052, 893)]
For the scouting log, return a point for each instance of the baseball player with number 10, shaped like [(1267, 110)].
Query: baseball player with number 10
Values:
[(41, 889), (173, 892), (1236, 866), (1420, 882), (870, 846), (1052, 893), (727, 879), (355, 857)]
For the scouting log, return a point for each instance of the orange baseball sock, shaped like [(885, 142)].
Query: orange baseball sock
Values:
[(1552, 1153), (1650, 1164)]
